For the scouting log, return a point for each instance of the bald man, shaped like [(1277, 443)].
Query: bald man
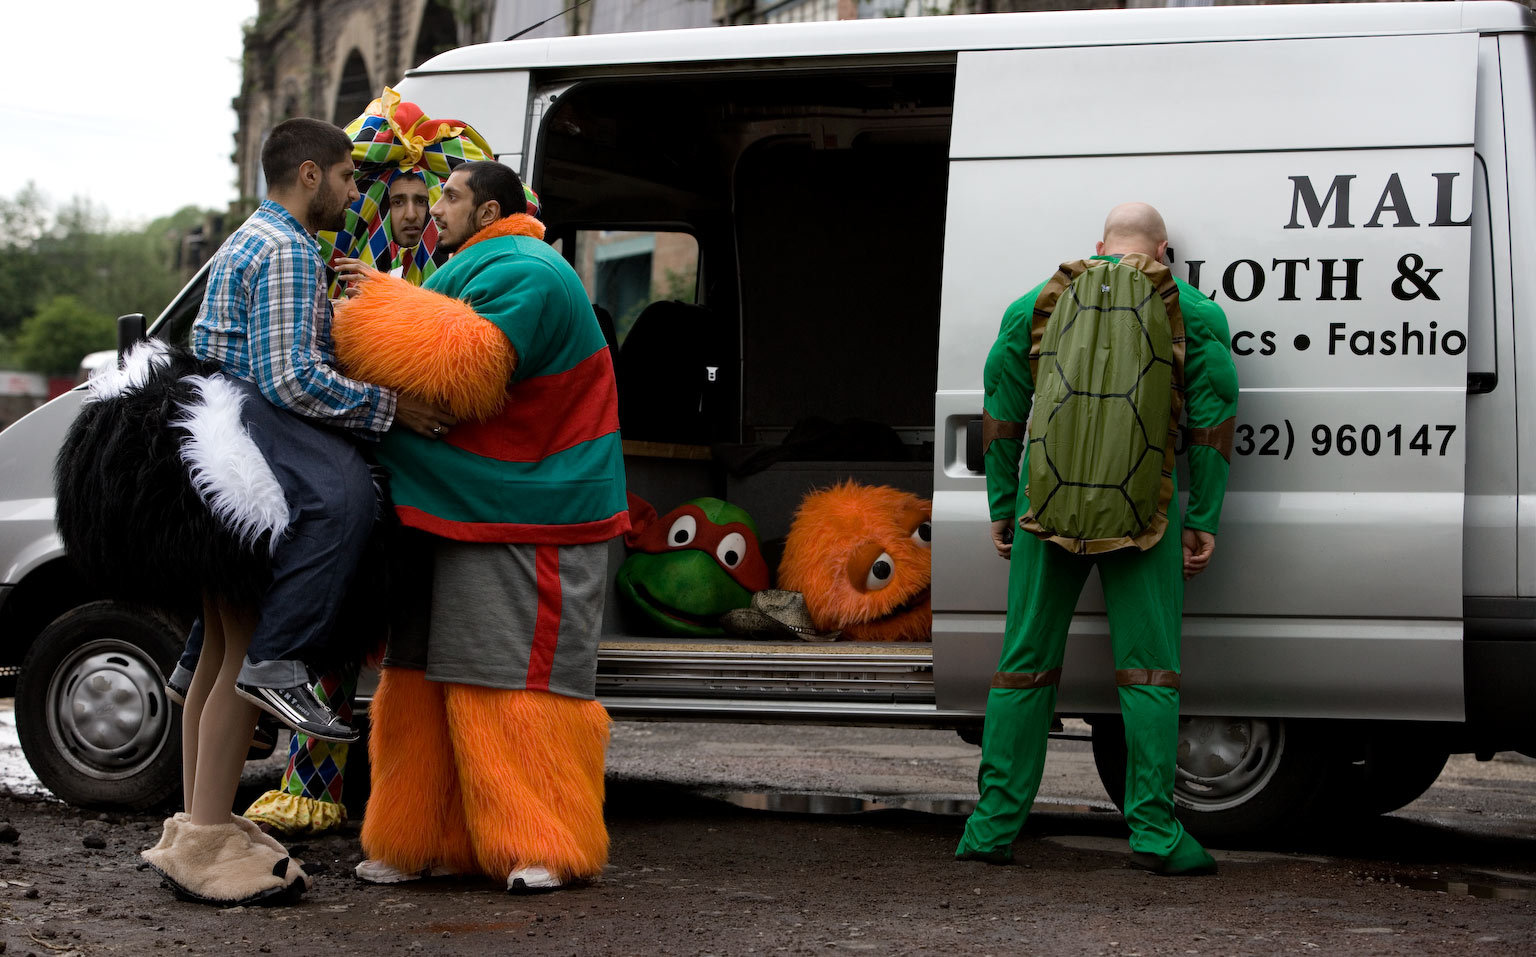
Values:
[(1143, 587)]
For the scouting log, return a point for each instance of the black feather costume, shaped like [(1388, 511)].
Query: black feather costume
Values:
[(130, 513)]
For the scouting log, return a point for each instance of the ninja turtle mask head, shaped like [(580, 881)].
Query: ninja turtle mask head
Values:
[(690, 566)]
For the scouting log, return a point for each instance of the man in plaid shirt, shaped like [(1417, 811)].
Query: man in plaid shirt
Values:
[(267, 321)]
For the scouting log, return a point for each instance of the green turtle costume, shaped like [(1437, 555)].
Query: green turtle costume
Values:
[(689, 567), (1140, 564)]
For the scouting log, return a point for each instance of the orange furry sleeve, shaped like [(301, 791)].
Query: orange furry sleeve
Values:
[(426, 345)]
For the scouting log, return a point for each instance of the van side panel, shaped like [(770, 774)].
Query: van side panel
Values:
[(1322, 195)]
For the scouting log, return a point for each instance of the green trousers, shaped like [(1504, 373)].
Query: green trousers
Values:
[(1144, 594)]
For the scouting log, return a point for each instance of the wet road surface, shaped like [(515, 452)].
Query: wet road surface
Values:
[(734, 839)]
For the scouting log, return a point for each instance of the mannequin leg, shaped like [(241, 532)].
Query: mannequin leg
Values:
[(206, 670), (205, 855), (226, 720)]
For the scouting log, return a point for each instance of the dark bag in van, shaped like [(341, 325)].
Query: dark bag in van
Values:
[(1107, 356)]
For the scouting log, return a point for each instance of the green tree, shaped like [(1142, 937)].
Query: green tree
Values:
[(76, 250), (58, 336)]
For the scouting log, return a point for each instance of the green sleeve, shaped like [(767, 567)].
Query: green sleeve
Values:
[(1210, 400), (512, 291), (1008, 391)]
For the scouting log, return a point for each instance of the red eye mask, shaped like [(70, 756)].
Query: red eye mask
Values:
[(688, 527)]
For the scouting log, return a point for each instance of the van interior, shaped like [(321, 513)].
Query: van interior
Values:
[(792, 228)]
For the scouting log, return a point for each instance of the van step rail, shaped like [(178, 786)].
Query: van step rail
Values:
[(834, 682)]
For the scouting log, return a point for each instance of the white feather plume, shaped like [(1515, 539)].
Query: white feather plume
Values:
[(230, 474), (142, 360)]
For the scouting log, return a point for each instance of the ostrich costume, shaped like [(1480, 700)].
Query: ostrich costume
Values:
[(162, 494), (391, 139), (163, 497)]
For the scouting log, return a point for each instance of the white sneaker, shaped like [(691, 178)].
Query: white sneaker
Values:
[(528, 880), (374, 871)]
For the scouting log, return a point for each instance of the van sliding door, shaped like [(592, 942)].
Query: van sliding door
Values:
[(1320, 191)]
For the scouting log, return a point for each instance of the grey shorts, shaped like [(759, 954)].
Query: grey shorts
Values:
[(525, 617)]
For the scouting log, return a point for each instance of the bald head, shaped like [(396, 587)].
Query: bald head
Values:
[(1134, 228)]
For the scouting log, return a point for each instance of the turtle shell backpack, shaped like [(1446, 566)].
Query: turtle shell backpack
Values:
[(1107, 357)]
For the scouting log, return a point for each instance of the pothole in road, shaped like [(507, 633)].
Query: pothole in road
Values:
[(792, 802), (1486, 889), (805, 802)]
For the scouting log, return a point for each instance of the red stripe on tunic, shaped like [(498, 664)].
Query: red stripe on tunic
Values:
[(576, 533), (546, 629), (547, 414)]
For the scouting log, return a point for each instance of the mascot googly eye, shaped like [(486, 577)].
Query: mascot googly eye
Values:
[(683, 530), (861, 555)]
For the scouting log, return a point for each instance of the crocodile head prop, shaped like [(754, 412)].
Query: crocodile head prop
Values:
[(860, 555), (692, 565)]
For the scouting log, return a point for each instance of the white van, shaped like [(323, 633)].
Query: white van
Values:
[(844, 211)]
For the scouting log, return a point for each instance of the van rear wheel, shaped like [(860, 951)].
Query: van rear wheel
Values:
[(91, 710), (1396, 766), (1237, 779)]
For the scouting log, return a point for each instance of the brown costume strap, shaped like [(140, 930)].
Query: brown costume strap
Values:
[(1024, 680), (1218, 437), (994, 429), (1146, 676), (1045, 304)]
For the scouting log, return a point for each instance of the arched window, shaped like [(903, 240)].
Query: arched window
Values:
[(438, 33), (355, 92)]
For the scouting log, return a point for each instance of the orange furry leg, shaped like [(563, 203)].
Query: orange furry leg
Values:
[(531, 772), (415, 814)]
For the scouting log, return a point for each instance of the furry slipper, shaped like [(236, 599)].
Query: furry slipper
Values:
[(257, 835), (219, 864)]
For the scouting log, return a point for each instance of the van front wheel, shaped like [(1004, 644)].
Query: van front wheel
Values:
[(91, 710), (1237, 779)]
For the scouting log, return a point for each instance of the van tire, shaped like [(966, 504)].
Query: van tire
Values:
[(1239, 780), (108, 660), (1396, 768)]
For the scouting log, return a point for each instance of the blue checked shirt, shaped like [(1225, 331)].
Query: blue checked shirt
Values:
[(266, 319)]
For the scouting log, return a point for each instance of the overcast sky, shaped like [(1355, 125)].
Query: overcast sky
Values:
[(127, 103)]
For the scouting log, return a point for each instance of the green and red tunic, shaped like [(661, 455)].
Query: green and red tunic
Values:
[(548, 469)]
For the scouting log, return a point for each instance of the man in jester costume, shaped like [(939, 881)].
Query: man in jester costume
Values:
[(487, 739), (1143, 579), (402, 159)]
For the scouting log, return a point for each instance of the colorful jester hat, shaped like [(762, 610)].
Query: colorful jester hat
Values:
[(394, 138), (692, 565)]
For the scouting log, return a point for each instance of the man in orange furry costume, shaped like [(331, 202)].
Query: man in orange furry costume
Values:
[(487, 743)]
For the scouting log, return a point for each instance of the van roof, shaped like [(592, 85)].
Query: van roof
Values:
[(984, 32)]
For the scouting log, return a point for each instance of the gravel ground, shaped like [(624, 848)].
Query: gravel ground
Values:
[(692, 874)]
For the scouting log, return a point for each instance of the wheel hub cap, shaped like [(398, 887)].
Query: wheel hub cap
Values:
[(110, 711)]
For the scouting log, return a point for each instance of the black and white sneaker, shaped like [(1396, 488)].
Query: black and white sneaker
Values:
[(298, 708), (175, 689)]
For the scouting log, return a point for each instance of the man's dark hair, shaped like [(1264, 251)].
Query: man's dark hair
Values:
[(490, 180), (294, 141)]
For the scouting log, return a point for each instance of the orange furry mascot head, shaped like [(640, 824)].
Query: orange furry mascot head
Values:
[(860, 555)]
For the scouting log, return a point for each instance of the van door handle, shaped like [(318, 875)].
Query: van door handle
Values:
[(974, 461), (1482, 383)]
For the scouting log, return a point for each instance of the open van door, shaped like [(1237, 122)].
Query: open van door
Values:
[(1320, 191)]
